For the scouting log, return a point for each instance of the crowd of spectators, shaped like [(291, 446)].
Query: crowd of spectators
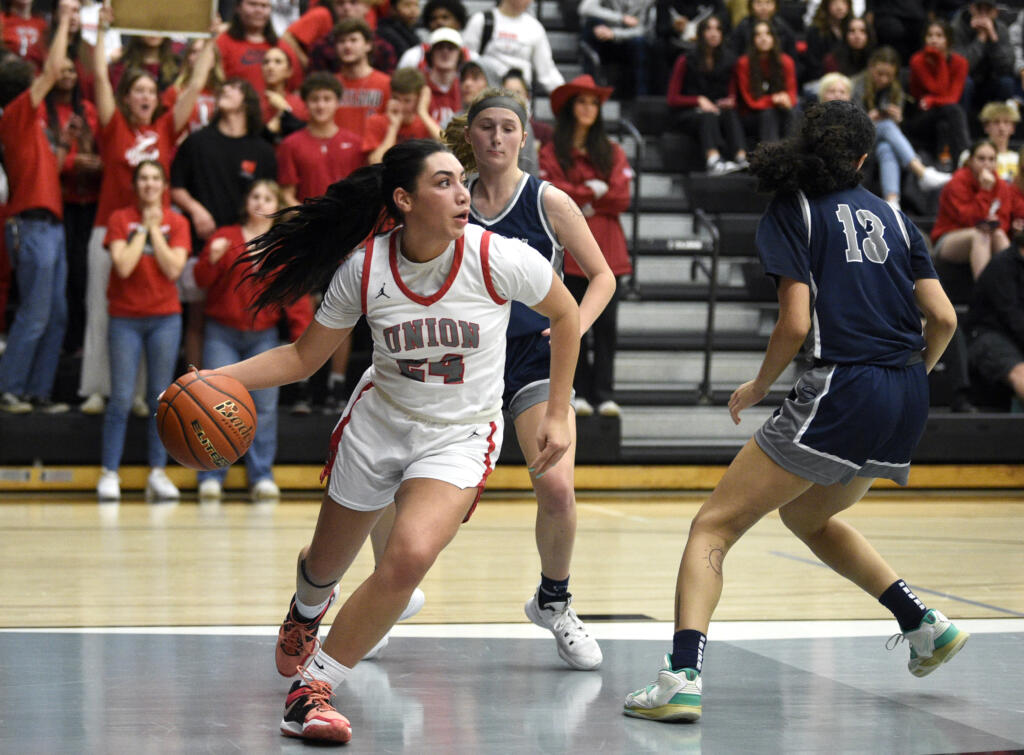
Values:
[(292, 95)]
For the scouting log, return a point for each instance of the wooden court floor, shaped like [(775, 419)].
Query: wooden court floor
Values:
[(68, 562)]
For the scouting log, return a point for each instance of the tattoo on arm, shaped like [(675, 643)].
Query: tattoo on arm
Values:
[(573, 209), (715, 558)]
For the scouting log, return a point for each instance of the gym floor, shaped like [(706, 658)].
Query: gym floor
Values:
[(151, 628)]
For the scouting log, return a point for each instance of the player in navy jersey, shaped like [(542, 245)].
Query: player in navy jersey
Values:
[(854, 274), (514, 204)]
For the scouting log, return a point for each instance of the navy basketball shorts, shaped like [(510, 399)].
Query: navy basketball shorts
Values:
[(846, 421), (527, 372)]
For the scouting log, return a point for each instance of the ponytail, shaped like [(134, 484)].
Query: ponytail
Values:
[(302, 250), (822, 158), (455, 139)]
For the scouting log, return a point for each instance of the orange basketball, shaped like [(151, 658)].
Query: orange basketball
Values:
[(206, 421)]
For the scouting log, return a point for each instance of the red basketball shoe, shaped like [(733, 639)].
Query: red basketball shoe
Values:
[(308, 713), (296, 640)]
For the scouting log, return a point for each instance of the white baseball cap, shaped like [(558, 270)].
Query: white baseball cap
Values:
[(445, 34)]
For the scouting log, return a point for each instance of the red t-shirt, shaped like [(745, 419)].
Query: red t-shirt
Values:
[(444, 104), (32, 170), (124, 146), (244, 60), (377, 129), (202, 111), (78, 186), (311, 164), (298, 106), (362, 98), (25, 37), (311, 25), (228, 293), (147, 292)]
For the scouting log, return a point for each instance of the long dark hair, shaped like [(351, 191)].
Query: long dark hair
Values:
[(237, 31), (702, 46), (775, 81), (598, 146), (250, 104), (53, 120), (850, 61), (302, 250), (822, 157)]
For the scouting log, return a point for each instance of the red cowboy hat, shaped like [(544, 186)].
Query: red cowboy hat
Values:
[(584, 84)]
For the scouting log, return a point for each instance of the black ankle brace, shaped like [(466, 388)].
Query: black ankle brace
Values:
[(311, 583)]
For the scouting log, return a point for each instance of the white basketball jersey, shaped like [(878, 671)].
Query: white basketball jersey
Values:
[(440, 357)]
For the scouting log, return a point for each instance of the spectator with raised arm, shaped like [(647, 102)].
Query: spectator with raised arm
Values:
[(210, 176), (133, 128), (34, 231), (72, 125)]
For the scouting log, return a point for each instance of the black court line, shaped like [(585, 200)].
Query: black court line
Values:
[(915, 588)]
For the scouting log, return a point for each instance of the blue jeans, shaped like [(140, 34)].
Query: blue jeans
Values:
[(221, 346), (894, 154), (29, 365), (160, 336)]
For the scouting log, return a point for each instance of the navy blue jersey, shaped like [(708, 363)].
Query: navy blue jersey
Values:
[(860, 258), (524, 218)]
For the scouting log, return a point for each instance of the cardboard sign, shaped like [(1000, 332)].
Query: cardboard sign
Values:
[(181, 18)]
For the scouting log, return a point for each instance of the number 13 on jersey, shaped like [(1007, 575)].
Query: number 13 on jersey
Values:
[(874, 246)]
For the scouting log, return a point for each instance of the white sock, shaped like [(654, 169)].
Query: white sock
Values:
[(323, 668), (335, 377), (310, 612)]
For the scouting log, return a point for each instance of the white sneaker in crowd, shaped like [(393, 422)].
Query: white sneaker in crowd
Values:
[(265, 490), (933, 179), (109, 486), (159, 486), (94, 404), (140, 408), (609, 409), (583, 407), (210, 490)]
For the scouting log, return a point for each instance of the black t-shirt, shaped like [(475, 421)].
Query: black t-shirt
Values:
[(217, 170)]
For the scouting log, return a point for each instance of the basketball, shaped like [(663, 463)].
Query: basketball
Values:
[(206, 420)]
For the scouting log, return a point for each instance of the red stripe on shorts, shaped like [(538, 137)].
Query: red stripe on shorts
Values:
[(488, 468), (332, 450)]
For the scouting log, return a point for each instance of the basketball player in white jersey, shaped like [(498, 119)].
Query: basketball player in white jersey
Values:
[(423, 428)]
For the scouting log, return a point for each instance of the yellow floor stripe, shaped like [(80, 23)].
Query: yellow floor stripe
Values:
[(663, 477)]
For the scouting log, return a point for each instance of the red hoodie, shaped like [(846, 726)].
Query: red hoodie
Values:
[(964, 204), (936, 79)]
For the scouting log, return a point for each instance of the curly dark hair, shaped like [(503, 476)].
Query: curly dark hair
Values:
[(822, 157)]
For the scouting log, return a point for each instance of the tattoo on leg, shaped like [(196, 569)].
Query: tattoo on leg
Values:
[(715, 558)]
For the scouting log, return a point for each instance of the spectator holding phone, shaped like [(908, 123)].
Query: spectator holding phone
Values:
[(976, 211)]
